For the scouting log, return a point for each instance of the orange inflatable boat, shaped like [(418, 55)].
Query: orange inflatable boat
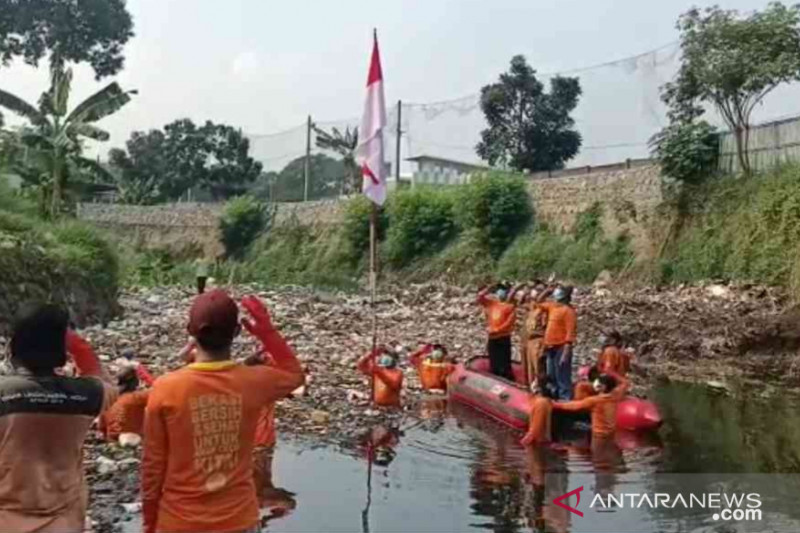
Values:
[(473, 385)]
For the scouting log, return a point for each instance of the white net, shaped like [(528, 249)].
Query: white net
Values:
[(618, 112)]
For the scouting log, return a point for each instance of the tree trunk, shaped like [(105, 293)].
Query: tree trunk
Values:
[(58, 185), (744, 164)]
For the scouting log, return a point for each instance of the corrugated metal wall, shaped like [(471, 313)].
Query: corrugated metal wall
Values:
[(770, 144)]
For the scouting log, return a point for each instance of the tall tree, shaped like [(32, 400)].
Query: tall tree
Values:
[(164, 165), (345, 145), (529, 129), (733, 61), (78, 31), (54, 135), (326, 177)]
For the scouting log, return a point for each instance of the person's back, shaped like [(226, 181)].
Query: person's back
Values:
[(44, 419), (200, 428)]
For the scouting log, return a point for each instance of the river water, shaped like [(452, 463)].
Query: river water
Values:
[(456, 470)]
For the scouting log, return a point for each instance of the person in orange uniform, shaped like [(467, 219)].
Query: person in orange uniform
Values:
[(539, 424), (612, 358), (559, 338), (532, 348), (200, 423), (501, 317), (388, 378), (126, 416), (433, 367), (610, 389), (585, 387)]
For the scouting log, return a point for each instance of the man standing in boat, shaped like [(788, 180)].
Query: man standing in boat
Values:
[(559, 337), (499, 304)]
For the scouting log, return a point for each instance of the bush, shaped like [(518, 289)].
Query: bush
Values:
[(421, 221), (578, 256), (243, 219), (498, 206), (745, 229), (687, 152), (355, 228)]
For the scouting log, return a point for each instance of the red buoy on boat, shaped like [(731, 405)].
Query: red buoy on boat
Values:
[(509, 402)]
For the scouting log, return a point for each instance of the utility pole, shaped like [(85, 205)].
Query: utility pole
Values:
[(307, 169), (397, 144)]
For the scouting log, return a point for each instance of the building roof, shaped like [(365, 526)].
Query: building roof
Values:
[(423, 157)]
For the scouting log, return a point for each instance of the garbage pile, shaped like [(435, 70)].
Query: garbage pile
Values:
[(707, 333)]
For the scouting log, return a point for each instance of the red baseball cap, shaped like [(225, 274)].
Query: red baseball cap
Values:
[(214, 319)]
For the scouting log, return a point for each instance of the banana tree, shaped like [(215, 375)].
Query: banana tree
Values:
[(54, 136), (345, 145)]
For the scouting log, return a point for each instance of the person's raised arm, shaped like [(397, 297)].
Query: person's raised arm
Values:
[(364, 365), (285, 373), (416, 358), (260, 326), (154, 461), (483, 295), (88, 365)]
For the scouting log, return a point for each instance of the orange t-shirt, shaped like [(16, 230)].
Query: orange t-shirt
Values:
[(200, 429), (433, 376), (612, 359), (583, 389), (562, 324), (602, 406), (265, 430), (388, 384), (125, 416), (539, 422), (501, 317)]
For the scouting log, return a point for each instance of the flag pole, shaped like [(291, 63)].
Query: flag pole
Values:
[(373, 288)]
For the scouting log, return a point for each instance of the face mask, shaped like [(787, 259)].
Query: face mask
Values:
[(437, 356), (603, 340), (597, 386), (501, 295), (535, 388), (386, 361), (559, 295)]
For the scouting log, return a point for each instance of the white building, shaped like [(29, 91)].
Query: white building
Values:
[(432, 170)]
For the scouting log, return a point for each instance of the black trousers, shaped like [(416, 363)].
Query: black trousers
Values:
[(201, 284), (500, 357)]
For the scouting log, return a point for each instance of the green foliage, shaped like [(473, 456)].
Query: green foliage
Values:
[(297, 254), (164, 165), (578, 256), (422, 221), (529, 129), (355, 228), (733, 61), (744, 229), (345, 145), (53, 160), (288, 185), (498, 206), (78, 32), (243, 219), (687, 152)]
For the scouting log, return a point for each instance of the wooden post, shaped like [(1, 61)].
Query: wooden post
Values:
[(307, 167), (373, 288), (399, 133)]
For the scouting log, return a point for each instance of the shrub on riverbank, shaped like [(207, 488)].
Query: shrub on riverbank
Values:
[(68, 263), (744, 229)]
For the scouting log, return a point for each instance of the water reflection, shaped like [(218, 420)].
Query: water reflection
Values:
[(455, 470)]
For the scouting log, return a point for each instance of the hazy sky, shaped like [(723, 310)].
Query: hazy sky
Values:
[(264, 65)]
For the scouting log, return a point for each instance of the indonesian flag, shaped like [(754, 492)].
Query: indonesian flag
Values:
[(369, 152)]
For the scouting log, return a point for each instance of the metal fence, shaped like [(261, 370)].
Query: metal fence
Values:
[(771, 144)]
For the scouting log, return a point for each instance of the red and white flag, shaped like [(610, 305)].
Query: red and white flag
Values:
[(369, 152)]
